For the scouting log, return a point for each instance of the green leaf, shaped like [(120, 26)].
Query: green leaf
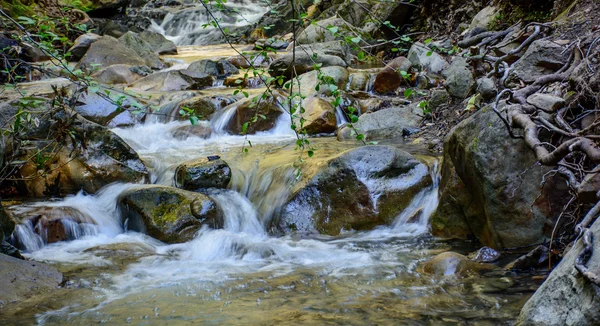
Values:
[(429, 54), (408, 92), (194, 120), (310, 153), (355, 39), (333, 29), (361, 56), (360, 137), (427, 41)]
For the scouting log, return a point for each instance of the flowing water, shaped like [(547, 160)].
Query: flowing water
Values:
[(245, 273)]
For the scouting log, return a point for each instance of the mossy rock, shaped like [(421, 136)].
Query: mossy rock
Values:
[(203, 173), (168, 214)]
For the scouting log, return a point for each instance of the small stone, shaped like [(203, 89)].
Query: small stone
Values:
[(438, 98), (485, 255)]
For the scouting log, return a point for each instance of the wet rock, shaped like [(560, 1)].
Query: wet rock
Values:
[(541, 58), (336, 76), (267, 111), (109, 51), (534, 259), (433, 63), (97, 109), (142, 48), (203, 173), (485, 18), (219, 69), (459, 78), (506, 208), (158, 43), (359, 81), (168, 214), (201, 130), (360, 189), (10, 250), (21, 279), (276, 44), (451, 263), (7, 225), (105, 159), (566, 298), (286, 66), (174, 80), (487, 88), (116, 74), (389, 78), (244, 62), (81, 45), (546, 102), (319, 115), (202, 106), (384, 124), (485, 255)]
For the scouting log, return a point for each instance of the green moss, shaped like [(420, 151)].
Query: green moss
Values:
[(15, 8)]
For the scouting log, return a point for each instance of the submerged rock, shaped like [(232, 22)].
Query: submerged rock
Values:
[(21, 279), (168, 214), (359, 190), (203, 173), (451, 263)]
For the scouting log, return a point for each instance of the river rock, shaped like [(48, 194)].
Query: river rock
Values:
[(200, 130), (359, 81), (97, 109), (432, 63), (174, 80), (504, 206), (389, 78), (21, 279), (317, 33), (7, 225), (538, 257), (116, 74), (459, 78), (168, 214), (81, 45), (32, 53), (203, 106), (109, 51), (257, 60), (336, 48), (134, 42), (246, 110), (543, 57), (336, 76), (384, 124), (203, 173), (319, 115), (360, 189), (286, 66), (566, 298), (450, 263), (438, 98), (99, 157), (158, 43), (484, 255)]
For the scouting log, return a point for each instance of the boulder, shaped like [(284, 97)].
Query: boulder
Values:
[(220, 69), (200, 130), (99, 157), (97, 109), (7, 225), (459, 78), (423, 57), (158, 43), (134, 42), (21, 279), (257, 60), (438, 98), (485, 18), (116, 74), (389, 78), (317, 33), (286, 66), (503, 206), (487, 88), (543, 57), (168, 214), (319, 115), (33, 53), (360, 189), (566, 298), (384, 124), (203, 173), (336, 48), (81, 45), (546, 102), (450, 264), (259, 115), (109, 51), (174, 80), (203, 106), (335, 76), (359, 81)]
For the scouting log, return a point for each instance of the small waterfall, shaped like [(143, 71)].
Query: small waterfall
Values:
[(240, 214), (221, 119), (192, 26)]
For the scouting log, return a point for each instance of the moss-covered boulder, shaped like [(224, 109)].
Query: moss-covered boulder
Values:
[(203, 173), (168, 214), (360, 189)]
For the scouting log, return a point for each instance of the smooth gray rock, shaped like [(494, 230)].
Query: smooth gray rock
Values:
[(459, 78), (21, 279), (487, 88), (81, 45), (433, 63), (109, 51), (546, 102), (286, 66), (385, 123), (543, 57), (309, 81), (317, 33), (174, 80), (158, 43), (134, 42)]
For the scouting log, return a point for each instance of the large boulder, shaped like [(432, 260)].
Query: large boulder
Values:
[(287, 65), (459, 78), (21, 279), (116, 74), (81, 45), (203, 173), (335, 48), (97, 109), (221, 68), (168, 214), (331, 77), (92, 157), (109, 51), (543, 57), (174, 80), (258, 115), (387, 123), (499, 194), (390, 78), (566, 298), (360, 189), (423, 57), (318, 32), (158, 43), (134, 42), (203, 107), (319, 115)]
